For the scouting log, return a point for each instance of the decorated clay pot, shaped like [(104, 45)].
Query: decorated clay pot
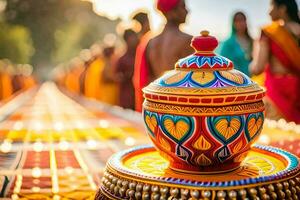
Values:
[(204, 115)]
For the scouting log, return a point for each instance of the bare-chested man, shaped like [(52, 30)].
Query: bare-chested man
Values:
[(165, 49), (161, 52)]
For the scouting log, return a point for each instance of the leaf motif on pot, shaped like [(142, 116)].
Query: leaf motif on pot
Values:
[(165, 144), (237, 147), (176, 78), (151, 122), (228, 128), (234, 77), (203, 77), (201, 144), (177, 129), (254, 125), (202, 160)]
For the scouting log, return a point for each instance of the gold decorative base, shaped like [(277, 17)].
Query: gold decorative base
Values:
[(267, 173)]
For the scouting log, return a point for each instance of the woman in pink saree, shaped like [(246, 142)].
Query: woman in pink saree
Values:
[(279, 56)]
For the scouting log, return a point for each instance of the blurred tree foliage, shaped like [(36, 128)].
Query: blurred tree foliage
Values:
[(15, 43), (59, 28), (15, 40)]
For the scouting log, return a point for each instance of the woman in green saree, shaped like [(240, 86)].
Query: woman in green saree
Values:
[(238, 47)]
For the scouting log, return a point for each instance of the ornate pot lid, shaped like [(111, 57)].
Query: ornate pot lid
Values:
[(204, 78)]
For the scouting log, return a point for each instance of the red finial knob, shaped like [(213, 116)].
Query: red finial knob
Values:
[(205, 42)]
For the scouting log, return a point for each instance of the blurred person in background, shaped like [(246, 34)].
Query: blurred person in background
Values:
[(109, 87), (58, 75), (125, 68), (238, 47), (140, 64), (17, 80), (6, 71), (94, 68), (86, 57), (143, 20), (278, 54), (160, 53), (72, 81), (27, 80)]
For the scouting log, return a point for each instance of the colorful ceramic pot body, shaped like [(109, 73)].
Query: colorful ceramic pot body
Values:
[(204, 115)]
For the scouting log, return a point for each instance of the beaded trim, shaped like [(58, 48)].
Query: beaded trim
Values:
[(114, 187)]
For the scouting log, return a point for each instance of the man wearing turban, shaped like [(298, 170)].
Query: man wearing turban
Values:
[(159, 54)]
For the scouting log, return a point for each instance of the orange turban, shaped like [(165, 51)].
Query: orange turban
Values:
[(166, 5)]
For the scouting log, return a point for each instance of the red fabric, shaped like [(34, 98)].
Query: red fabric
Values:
[(166, 5), (141, 72), (284, 46), (283, 90), (282, 57)]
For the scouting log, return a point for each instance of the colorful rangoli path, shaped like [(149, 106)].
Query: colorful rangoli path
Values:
[(53, 148)]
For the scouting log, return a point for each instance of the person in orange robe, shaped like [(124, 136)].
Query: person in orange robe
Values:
[(93, 78), (29, 82), (6, 81), (26, 78), (159, 54), (109, 86), (72, 81), (279, 56)]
